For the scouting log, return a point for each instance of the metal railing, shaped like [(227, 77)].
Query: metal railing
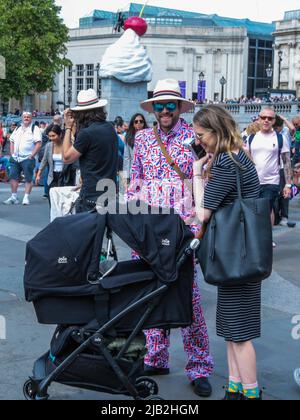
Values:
[(244, 112)]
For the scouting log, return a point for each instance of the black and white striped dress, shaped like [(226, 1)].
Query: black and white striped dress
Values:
[(239, 307)]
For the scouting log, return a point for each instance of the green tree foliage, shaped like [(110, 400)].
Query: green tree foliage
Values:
[(32, 40)]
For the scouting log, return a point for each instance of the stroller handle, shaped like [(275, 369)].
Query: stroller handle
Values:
[(188, 252)]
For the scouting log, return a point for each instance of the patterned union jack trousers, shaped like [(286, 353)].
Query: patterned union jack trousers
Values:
[(195, 341)]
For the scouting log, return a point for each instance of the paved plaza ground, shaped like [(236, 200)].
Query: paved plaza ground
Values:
[(278, 353)]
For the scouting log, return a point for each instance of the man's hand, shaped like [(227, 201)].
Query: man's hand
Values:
[(69, 118), (287, 192)]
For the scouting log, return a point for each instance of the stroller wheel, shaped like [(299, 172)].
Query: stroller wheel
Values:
[(146, 387), (29, 390)]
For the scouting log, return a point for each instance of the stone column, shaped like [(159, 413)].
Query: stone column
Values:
[(123, 98)]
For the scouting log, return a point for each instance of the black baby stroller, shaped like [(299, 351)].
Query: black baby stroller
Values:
[(99, 344)]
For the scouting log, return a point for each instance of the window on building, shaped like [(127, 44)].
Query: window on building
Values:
[(90, 70), (90, 83), (70, 71), (198, 63), (79, 85), (172, 60), (260, 56), (80, 70)]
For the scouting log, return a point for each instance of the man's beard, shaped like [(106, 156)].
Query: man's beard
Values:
[(171, 124)]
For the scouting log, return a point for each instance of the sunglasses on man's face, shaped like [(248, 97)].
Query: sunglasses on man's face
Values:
[(265, 118), (170, 106)]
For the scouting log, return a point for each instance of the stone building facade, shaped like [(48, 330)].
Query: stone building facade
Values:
[(287, 52), (182, 45)]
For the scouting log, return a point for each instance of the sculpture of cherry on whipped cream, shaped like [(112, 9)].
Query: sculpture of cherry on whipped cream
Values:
[(137, 24)]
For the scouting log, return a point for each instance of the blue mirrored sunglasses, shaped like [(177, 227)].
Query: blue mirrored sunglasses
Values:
[(170, 106)]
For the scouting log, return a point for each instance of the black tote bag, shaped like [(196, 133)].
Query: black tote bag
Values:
[(237, 246)]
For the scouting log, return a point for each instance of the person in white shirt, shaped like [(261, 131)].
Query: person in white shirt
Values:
[(25, 143), (266, 154)]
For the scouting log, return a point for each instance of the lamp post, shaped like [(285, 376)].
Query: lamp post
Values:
[(69, 96), (98, 80), (269, 71), (223, 82), (280, 59), (201, 88)]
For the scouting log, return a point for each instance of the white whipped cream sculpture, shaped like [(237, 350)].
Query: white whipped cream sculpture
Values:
[(127, 60)]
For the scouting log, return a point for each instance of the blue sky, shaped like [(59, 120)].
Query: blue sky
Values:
[(260, 10)]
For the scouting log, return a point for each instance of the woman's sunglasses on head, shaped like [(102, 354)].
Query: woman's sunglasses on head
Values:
[(170, 106)]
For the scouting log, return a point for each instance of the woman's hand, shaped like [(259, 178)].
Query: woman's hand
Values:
[(198, 165), (37, 180), (69, 118)]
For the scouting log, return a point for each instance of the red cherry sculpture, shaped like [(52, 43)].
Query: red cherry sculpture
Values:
[(137, 24)]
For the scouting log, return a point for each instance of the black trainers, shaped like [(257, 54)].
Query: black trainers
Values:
[(233, 396), (253, 399), (152, 371), (202, 387)]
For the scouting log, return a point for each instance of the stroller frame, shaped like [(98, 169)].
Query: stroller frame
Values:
[(126, 380), (37, 389)]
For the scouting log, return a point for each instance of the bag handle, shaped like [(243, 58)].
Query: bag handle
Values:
[(173, 165), (238, 175)]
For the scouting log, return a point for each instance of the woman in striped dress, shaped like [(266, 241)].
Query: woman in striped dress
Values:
[(239, 307)]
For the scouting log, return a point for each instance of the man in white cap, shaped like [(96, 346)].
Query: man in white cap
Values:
[(157, 179), (96, 146)]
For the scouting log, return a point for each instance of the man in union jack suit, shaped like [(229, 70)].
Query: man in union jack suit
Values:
[(156, 182)]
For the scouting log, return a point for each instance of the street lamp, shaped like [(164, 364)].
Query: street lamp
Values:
[(269, 71), (69, 96), (280, 59), (98, 80), (223, 82)]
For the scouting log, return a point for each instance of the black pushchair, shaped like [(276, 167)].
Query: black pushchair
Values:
[(101, 314)]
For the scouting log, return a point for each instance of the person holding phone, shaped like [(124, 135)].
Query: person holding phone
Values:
[(160, 183), (215, 186)]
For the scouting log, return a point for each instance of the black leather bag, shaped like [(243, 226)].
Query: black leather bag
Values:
[(237, 246)]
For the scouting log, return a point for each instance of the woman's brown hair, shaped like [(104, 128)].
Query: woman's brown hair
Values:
[(218, 121)]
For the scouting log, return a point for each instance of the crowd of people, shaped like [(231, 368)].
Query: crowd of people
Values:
[(151, 164), (253, 100)]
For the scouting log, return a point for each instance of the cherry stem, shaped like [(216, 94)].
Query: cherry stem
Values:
[(143, 9)]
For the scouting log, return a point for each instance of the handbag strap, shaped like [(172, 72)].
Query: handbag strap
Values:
[(173, 165), (238, 175)]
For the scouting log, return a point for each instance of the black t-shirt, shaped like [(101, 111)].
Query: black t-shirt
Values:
[(98, 145)]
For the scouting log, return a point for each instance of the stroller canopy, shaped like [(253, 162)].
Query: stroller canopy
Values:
[(59, 259)]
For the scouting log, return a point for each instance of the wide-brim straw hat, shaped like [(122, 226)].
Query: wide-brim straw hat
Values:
[(88, 99), (167, 90)]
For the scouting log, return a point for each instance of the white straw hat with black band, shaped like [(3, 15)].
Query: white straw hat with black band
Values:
[(88, 99), (167, 90)]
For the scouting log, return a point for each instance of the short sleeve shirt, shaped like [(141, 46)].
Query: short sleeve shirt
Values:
[(98, 146), (24, 140), (221, 189), (264, 151)]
